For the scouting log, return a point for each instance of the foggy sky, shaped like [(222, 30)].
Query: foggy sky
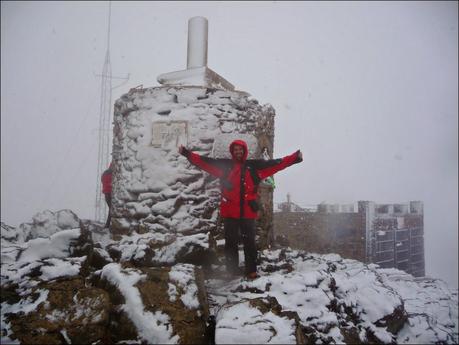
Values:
[(367, 90)]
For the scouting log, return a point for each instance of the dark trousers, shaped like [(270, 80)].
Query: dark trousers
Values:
[(108, 200), (247, 229)]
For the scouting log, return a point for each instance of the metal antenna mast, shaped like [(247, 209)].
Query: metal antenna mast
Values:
[(105, 111)]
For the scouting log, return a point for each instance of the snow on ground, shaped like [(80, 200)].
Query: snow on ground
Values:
[(24, 306), (432, 308), (327, 291), (169, 253), (182, 276), (44, 258), (154, 328), (243, 324)]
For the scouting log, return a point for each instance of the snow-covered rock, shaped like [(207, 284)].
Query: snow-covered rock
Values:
[(63, 254), (82, 286), (340, 301), (44, 224), (257, 321), (167, 298), (8, 233), (157, 249), (56, 312)]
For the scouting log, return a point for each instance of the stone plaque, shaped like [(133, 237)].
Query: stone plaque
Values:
[(169, 134)]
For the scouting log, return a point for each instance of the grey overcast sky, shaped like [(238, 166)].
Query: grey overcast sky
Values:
[(367, 90)]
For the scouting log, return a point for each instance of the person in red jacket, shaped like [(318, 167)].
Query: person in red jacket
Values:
[(239, 180), (107, 190)]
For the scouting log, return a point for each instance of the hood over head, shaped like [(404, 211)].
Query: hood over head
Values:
[(240, 143)]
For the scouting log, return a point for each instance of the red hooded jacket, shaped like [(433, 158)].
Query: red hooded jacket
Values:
[(107, 181), (239, 179)]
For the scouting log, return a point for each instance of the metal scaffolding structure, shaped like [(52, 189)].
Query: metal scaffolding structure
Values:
[(105, 111), (104, 125)]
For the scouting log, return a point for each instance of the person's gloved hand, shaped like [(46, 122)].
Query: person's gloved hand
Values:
[(299, 156), (183, 151)]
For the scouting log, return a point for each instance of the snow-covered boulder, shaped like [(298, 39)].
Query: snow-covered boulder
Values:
[(56, 312), (257, 321), (63, 254), (341, 301), (8, 233), (157, 249), (168, 298), (82, 286), (47, 223)]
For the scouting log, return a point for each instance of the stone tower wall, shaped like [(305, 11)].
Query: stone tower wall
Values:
[(155, 188)]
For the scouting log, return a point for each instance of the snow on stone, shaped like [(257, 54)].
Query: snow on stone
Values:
[(49, 256), (155, 327), (24, 306), (47, 223), (134, 246), (243, 324), (99, 234), (172, 292), (327, 292), (56, 246), (150, 124), (432, 308), (8, 233), (362, 291), (78, 310), (55, 268), (66, 337), (168, 253), (324, 289), (103, 253), (182, 275)]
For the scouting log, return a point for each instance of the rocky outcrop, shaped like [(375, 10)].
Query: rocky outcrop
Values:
[(67, 311), (335, 300), (9, 233), (82, 286), (68, 289), (46, 223), (156, 249), (167, 297), (261, 320)]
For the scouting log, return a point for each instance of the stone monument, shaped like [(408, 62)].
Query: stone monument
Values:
[(156, 189)]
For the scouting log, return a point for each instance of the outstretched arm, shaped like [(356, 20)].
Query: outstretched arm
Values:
[(279, 164), (201, 162)]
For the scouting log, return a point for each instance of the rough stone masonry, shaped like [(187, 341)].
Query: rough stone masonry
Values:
[(154, 188)]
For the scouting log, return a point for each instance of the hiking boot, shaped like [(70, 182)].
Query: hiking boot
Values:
[(252, 275)]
